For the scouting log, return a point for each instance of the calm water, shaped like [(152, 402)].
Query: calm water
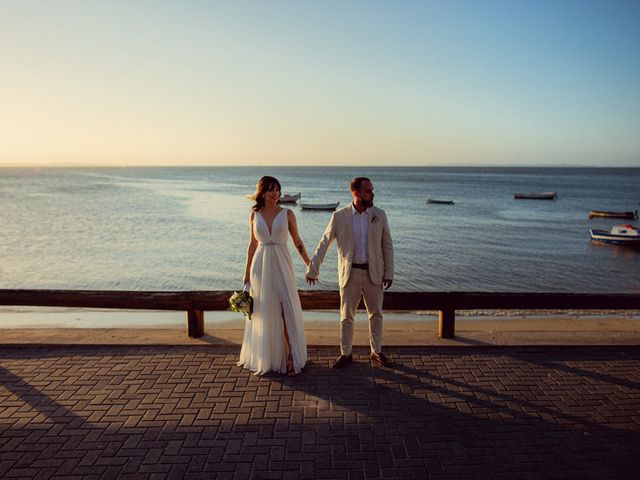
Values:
[(187, 228)]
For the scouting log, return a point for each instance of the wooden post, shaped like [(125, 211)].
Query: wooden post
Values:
[(195, 323), (447, 323)]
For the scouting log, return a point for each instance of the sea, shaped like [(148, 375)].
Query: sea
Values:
[(177, 228)]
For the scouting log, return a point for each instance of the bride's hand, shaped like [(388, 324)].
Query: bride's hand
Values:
[(247, 286)]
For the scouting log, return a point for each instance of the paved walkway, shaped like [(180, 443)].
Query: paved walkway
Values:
[(443, 413)]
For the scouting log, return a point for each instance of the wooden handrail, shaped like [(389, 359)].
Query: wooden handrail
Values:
[(196, 302)]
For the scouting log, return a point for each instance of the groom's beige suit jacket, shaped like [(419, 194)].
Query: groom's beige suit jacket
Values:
[(380, 247)]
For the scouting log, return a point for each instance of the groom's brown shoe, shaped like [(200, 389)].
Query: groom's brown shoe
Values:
[(342, 361), (381, 359)]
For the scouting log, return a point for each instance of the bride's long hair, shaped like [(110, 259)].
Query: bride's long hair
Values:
[(264, 185)]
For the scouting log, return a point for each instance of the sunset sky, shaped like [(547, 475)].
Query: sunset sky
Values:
[(505, 82)]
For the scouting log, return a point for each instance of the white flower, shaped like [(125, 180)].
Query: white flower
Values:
[(241, 302)]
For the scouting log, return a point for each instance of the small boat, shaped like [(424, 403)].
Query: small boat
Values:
[(319, 206), (630, 215), (536, 196), (290, 198), (439, 202), (620, 234)]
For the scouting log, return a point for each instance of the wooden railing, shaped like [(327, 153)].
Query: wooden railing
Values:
[(196, 303)]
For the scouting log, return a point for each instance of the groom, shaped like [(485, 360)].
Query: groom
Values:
[(365, 266)]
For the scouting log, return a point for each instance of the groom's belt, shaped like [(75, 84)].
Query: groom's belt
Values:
[(363, 266)]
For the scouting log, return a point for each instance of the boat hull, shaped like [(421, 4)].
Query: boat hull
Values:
[(607, 237), (320, 206), (439, 202), (290, 198), (536, 196), (626, 215)]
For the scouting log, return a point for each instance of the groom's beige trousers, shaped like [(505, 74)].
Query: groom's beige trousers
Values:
[(359, 286)]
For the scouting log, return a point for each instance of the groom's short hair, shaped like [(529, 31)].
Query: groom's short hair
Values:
[(357, 182)]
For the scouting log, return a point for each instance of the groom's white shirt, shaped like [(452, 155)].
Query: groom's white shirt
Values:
[(379, 246), (360, 227)]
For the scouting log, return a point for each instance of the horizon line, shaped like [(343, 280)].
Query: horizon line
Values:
[(450, 165)]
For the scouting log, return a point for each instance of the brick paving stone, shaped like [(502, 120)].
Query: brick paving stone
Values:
[(451, 413)]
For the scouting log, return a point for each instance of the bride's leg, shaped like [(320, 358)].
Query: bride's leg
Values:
[(290, 369)]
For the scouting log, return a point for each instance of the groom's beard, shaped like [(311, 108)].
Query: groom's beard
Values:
[(367, 204)]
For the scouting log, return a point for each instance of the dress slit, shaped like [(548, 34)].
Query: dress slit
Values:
[(287, 338)]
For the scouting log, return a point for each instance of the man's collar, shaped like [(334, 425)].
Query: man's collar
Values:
[(356, 212)]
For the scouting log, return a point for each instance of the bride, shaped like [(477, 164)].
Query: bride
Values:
[(274, 339)]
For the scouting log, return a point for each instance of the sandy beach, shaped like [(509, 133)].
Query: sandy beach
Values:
[(70, 326)]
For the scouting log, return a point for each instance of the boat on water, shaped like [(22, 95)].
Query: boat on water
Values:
[(319, 206), (630, 215), (439, 202), (620, 235), (536, 196), (290, 197)]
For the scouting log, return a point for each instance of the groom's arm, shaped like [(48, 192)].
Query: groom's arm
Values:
[(387, 254), (321, 250)]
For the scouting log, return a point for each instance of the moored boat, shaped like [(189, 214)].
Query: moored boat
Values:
[(620, 234), (319, 206), (290, 198), (439, 202), (536, 196), (631, 215)]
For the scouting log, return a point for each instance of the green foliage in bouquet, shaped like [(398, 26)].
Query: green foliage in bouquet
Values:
[(241, 302)]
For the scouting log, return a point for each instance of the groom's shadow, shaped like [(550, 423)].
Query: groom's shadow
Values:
[(421, 412)]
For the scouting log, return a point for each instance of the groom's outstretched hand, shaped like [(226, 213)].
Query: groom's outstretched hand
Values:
[(387, 284), (311, 281)]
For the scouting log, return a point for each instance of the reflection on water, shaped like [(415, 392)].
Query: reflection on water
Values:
[(187, 228), (618, 250)]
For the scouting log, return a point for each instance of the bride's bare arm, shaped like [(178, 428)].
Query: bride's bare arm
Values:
[(297, 241), (251, 250)]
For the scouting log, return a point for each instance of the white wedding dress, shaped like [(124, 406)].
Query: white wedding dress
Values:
[(275, 295)]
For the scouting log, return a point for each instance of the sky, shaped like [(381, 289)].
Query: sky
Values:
[(345, 82)]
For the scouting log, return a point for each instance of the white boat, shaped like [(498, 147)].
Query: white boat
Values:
[(620, 234), (290, 197), (536, 196), (319, 206)]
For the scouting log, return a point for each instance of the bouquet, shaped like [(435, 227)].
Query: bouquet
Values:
[(241, 302)]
